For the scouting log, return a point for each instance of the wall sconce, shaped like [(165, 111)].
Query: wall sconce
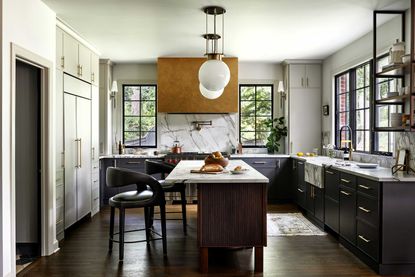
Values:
[(282, 93), (113, 94), (199, 124)]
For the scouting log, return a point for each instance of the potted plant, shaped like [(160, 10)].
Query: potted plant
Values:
[(278, 131)]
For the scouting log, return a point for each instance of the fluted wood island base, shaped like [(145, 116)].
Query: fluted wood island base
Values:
[(231, 209)]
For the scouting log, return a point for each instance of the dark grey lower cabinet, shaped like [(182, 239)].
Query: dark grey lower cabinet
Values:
[(347, 214), (314, 202), (277, 170), (331, 214)]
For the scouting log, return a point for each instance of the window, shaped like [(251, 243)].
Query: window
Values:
[(139, 115), (255, 109), (353, 97)]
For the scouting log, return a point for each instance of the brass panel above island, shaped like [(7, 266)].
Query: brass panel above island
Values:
[(178, 87)]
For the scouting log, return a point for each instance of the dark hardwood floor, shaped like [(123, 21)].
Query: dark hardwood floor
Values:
[(84, 253)]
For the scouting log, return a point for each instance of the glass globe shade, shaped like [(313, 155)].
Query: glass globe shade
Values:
[(214, 75), (210, 94)]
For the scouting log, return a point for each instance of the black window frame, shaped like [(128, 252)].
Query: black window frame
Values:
[(255, 116), (140, 130), (373, 138)]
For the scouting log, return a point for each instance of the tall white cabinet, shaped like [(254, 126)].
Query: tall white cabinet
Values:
[(304, 111), (77, 114), (77, 130)]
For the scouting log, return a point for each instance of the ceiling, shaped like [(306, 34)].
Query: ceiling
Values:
[(260, 30)]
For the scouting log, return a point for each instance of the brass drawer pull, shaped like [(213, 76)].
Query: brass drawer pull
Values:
[(260, 162), (300, 190), (133, 162), (345, 180), (365, 187), (364, 239), (330, 172), (365, 210), (345, 193)]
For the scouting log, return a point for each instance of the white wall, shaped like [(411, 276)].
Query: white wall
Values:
[(355, 53), (249, 72), (31, 25)]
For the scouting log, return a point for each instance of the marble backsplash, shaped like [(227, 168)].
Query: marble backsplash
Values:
[(220, 136), (406, 140)]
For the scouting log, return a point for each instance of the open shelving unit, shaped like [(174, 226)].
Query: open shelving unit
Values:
[(401, 75)]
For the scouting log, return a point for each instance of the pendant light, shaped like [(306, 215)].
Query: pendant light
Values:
[(214, 74)]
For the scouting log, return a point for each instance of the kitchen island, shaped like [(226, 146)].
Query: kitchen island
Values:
[(231, 208)]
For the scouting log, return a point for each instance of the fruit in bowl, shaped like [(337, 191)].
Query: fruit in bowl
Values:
[(217, 158)]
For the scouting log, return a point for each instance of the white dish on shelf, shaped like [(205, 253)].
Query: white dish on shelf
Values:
[(367, 165)]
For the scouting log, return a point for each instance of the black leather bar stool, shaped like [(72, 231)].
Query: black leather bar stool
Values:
[(163, 168), (149, 193)]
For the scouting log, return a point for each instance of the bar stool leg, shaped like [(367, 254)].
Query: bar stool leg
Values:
[(122, 225), (146, 222), (163, 228), (183, 198), (111, 229)]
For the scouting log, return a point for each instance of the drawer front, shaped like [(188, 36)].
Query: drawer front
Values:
[(348, 180), (264, 162), (367, 209), (331, 214), (367, 240), (331, 184), (347, 211), (133, 164), (368, 187), (95, 181)]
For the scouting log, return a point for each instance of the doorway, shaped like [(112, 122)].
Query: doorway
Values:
[(28, 163)]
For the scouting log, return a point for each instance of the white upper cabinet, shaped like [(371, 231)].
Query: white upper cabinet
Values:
[(84, 63), (59, 49), (94, 69), (75, 58), (313, 75), (305, 75), (70, 55)]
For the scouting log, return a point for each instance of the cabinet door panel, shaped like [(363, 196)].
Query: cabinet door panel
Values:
[(309, 199), (85, 63), (70, 159), (270, 173), (305, 120), (313, 75), (331, 184), (319, 204), (348, 214), (297, 76), (83, 120), (94, 69), (301, 197), (70, 53), (331, 214), (95, 123), (59, 49)]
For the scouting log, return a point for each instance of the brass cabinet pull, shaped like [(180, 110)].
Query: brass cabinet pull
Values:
[(93, 153), (63, 61), (115, 163), (300, 190), (62, 159), (80, 152), (93, 77), (330, 172), (365, 210), (345, 193), (77, 153), (307, 81), (260, 162), (133, 162), (345, 180), (363, 238), (365, 187)]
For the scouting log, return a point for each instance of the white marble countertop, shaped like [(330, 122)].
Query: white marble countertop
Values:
[(181, 174), (380, 174), (128, 156), (252, 155)]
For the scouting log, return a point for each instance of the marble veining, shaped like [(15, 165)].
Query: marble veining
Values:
[(406, 140), (221, 136), (181, 174), (313, 174)]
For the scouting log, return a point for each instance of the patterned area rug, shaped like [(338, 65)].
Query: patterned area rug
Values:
[(291, 224)]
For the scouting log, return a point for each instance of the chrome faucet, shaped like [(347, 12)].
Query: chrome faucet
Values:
[(347, 127)]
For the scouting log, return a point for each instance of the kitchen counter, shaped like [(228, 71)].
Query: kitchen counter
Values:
[(181, 174), (252, 155), (130, 156), (380, 174)]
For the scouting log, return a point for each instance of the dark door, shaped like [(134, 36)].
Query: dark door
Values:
[(331, 213), (319, 204), (27, 160), (348, 214)]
